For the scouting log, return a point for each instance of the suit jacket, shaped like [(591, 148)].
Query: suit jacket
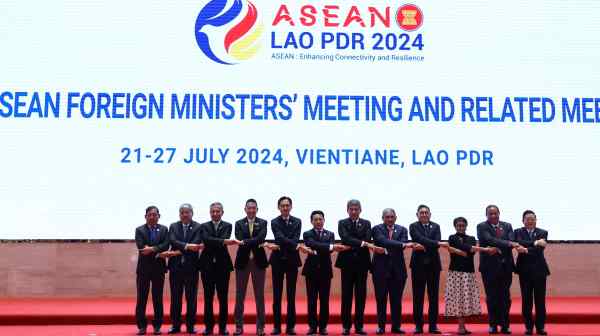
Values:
[(391, 264), (532, 264), (464, 243), (357, 258), (503, 262), (189, 261), (251, 243), (150, 264), (430, 258), (318, 265), (287, 237), (215, 256)]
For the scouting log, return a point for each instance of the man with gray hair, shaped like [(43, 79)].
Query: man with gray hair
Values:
[(186, 240), (389, 269), (355, 265), (216, 266)]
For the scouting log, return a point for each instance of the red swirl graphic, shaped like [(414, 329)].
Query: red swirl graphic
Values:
[(241, 28)]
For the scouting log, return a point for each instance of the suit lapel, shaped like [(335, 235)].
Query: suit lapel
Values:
[(211, 226), (395, 233), (179, 228), (246, 227)]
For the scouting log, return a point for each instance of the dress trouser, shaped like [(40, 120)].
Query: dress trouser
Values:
[(258, 284)]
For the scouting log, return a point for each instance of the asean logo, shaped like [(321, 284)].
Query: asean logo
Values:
[(409, 17), (228, 34)]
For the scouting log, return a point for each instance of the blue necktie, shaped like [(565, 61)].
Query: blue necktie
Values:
[(152, 235)]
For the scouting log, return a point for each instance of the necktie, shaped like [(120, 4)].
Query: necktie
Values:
[(530, 234), (427, 229), (320, 234), (251, 227), (152, 235), (498, 231), (390, 231), (185, 231)]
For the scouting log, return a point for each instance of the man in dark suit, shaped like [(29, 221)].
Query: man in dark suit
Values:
[(496, 268), (533, 271), (389, 269), (426, 266), (216, 266), (251, 260), (285, 262), (355, 265), (151, 239), (318, 271), (186, 240)]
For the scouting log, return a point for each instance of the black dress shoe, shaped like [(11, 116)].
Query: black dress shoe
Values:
[(435, 331), (260, 332), (157, 331), (528, 331), (418, 331), (493, 330), (323, 332), (380, 331), (506, 331), (542, 332), (346, 332), (191, 331), (360, 331), (207, 332), (398, 331), (238, 331), (224, 332), (276, 331), (174, 330), (291, 332), (311, 332), (141, 331)]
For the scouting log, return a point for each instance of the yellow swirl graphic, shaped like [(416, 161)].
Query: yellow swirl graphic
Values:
[(246, 47)]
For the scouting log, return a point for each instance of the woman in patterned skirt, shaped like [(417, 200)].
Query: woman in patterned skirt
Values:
[(462, 290)]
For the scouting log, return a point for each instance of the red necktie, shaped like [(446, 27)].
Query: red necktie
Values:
[(390, 232), (498, 231)]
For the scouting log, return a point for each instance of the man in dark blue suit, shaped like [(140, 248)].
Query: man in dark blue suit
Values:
[(533, 271), (151, 240), (426, 267), (355, 265), (186, 240), (216, 266), (284, 263), (318, 271), (389, 269), (497, 268)]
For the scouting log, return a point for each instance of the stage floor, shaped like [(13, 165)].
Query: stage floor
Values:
[(101, 311), (118, 330)]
